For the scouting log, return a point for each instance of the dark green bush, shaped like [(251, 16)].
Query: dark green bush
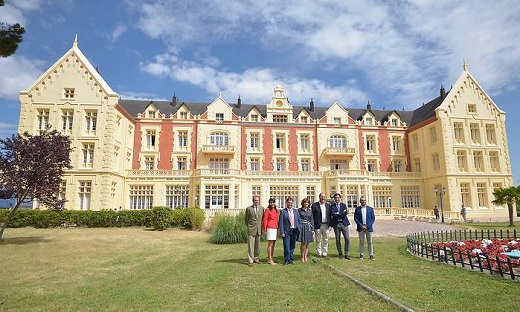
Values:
[(160, 218), (195, 218), (227, 229), (178, 217)]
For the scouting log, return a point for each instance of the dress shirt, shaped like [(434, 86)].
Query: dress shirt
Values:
[(323, 213), (364, 214)]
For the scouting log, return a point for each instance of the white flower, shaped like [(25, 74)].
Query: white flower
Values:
[(513, 242), (461, 244)]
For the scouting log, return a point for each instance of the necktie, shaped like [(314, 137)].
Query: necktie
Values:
[(291, 218)]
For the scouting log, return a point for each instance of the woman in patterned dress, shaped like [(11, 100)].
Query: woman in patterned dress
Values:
[(307, 232)]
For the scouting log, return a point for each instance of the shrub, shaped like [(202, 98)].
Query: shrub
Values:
[(227, 229), (195, 218), (160, 218), (178, 217)]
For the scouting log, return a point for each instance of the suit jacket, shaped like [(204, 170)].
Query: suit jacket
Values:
[(370, 218), (254, 220), (337, 215), (316, 214), (285, 224)]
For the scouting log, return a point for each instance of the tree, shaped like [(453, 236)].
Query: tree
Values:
[(31, 166), (10, 37), (509, 196)]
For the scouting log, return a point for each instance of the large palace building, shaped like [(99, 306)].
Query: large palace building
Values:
[(134, 154)]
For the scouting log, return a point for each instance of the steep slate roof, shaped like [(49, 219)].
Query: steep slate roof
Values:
[(411, 118)]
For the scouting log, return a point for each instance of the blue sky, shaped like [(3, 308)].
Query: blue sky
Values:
[(394, 53)]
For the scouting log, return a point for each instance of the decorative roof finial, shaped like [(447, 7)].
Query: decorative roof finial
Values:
[(75, 43), (465, 66)]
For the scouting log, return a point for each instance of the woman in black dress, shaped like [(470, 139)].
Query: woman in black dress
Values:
[(307, 232)]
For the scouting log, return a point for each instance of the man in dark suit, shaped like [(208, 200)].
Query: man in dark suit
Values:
[(253, 221), (321, 215), (339, 222), (290, 227), (365, 218)]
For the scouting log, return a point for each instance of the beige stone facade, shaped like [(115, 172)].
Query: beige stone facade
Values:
[(131, 154)]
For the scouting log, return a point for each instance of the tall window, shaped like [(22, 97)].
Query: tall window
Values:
[(280, 164), (371, 165), (338, 164), (280, 194), (90, 121), (461, 161), (351, 197), (415, 142), (254, 143), (66, 119), (436, 162), (305, 164), (182, 163), (43, 119), (310, 191), (494, 163), (370, 144), (398, 165), (217, 196), (280, 142), (382, 196), (254, 164), (63, 190), (474, 132), (396, 143), (482, 195), (219, 138), (88, 155), (478, 161), (85, 188), (465, 194), (183, 139), (177, 196), (219, 165), (149, 162), (417, 164), (491, 137), (338, 141), (458, 132), (410, 197), (150, 139), (433, 135), (305, 142), (141, 197)]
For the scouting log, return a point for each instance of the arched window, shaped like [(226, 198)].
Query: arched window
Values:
[(338, 141), (219, 138)]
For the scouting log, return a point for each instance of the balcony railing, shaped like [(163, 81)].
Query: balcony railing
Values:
[(315, 174), (340, 151), (140, 173), (217, 172), (218, 149)]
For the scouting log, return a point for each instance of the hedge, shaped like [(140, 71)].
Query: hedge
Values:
[(164, 217)]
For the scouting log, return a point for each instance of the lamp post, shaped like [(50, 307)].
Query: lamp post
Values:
[(439, 191)]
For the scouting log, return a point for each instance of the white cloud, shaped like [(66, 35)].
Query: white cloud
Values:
[(18, 73), (116, 33), (253, 83), (27, 4), (10, 14)]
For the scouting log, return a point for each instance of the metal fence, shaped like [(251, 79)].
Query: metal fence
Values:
[(442, 246)]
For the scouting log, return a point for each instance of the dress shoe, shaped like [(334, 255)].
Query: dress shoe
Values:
[(256, 261), (347, 257), (286, 263), (361, 257), (372, 258), (340, 256)]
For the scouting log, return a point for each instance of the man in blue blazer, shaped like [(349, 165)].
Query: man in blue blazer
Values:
[(365, 218), (290, 227), (339, 222)]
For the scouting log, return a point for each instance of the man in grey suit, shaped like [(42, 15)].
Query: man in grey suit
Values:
[(254, 229)]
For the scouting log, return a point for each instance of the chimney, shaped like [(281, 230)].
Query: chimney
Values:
[(443, 92), (174, 100), (311, 105), (369, 106), (239, 102)]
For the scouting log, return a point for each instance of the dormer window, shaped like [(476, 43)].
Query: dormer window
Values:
[(369, 121), (303, 119), (183, 115), (337, 120), (151, 114), (254, 117), (68, 93), (394, 122), (219, 117)]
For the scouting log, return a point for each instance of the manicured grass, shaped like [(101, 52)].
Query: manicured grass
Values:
[(118, 269), (492, 226)]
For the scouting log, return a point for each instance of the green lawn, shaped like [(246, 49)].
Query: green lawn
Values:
[(118, 269)]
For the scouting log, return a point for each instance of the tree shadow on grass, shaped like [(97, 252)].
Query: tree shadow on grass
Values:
[(23, 240)]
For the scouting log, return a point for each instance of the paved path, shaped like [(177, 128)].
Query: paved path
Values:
[(402, 228)]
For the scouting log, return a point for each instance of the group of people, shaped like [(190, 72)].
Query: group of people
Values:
[(307, 224)]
